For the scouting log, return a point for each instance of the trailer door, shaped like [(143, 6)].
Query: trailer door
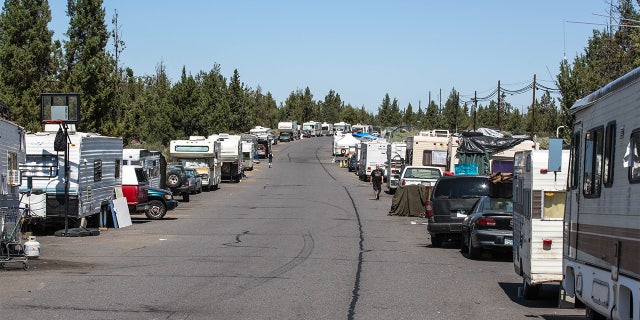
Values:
[(573, 194)]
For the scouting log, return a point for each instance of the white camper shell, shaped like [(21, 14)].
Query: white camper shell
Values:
[(12, 154), (94, 173), (201, 154), (150, 161), (230, 155), (538, 210), (373, 152), (602, 215), (247, 155)]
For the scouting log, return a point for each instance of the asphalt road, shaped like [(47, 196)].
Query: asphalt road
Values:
[(301, 240)]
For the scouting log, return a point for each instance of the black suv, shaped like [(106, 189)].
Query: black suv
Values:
[(452, 199), (178, 181)]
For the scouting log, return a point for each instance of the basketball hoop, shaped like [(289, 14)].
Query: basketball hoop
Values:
[(52, 121)]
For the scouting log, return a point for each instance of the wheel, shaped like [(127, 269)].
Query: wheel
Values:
[(199, 190), (463, 243), (472, 253), (185, 196), (25, 266), (530, 292), (156, 211), (173, 180), (436, 241)]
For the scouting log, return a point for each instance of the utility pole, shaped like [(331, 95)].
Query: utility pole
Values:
[(499, 127), (533, 106), (475, 105)]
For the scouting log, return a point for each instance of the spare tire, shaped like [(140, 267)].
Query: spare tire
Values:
[(173, 180)]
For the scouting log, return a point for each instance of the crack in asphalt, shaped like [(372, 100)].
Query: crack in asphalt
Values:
[(355, 293)]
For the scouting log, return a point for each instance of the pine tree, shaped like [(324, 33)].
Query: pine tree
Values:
[(88, 66), (25, 58)]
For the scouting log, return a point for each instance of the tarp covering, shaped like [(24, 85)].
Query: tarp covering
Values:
[(365, 135), (486, 144), (347, 141), (409, 201)]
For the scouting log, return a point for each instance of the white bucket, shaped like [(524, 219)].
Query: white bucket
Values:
[(32, 248)]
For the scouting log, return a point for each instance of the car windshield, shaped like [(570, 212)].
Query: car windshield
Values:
[(461, 188), (422, 173)]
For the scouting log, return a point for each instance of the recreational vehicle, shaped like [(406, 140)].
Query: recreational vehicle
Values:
[(12, 153), (432, 148), (201, 154), (327, 129), (230, 155), (342, 127), (602, 220), (396, 152), (248, 151), (152, 163), (373, 152), (91, 172), (291, 127), (539, 189)]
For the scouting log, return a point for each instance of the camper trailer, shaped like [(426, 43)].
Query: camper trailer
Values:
[(12, 153), (248, 152), (152, 163), (396, 151), (539, 188), (230, 155), (201, 154), (373, 152), (92, 172), (602, 219), (432, 148)]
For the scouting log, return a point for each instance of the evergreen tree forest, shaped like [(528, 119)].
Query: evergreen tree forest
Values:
[(150, 110)]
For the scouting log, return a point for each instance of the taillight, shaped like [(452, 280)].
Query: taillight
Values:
[(428, 209), (546, 244), (489, 222), (403, 182)]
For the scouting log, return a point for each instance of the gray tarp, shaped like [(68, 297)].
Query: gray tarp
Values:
[(409, 201)]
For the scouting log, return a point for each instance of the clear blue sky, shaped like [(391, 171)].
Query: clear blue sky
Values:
[(360, 49)]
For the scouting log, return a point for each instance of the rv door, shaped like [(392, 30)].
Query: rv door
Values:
[(574, 190)]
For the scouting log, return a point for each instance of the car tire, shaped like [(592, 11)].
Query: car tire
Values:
[(156, 210), (185, 196), (173, 180), (436, 241), (472, 252), (530, 292)]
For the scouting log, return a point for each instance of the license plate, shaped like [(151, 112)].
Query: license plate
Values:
[(508, 241), (459, 213)]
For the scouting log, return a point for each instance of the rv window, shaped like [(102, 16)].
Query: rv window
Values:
[(40, 166), (117, 174), (434, 158), (593, 147), (609, 153), (97, 170), (634, 162)]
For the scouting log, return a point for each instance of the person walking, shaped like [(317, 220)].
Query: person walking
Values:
[(376, 180), (270, 159)]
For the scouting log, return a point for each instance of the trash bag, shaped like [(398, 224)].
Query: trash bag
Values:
[(60, 143)]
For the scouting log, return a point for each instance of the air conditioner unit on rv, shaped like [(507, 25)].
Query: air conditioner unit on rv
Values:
[(15, 178)]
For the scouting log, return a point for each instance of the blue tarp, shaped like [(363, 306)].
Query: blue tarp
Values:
[(365, 135)]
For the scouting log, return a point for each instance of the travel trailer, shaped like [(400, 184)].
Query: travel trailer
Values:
[(152, 163), (201, 154), (602, 219), (539, 190), (230, 155), (373, 152), (248, 153), (327, 129), (291, 127), (432, 148), (396, 152), (12, 153), (92, 170)]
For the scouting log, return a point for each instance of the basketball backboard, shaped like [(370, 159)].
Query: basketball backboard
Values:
[(60, 106)]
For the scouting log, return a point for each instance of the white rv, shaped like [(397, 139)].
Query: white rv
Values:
[(373, 152), (230, 155), (12, 153), (342, 127), (396, 151), (151, 162), (247, 155), (327, 129), (93, 167), (201, 154), (539, 191), (432, 148), (602, 210), (314, 128), (290, 127)]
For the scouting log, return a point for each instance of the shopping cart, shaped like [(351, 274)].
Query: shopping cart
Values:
[(11, 249)]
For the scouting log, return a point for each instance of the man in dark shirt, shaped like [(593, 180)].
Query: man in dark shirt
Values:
[(376, 180)]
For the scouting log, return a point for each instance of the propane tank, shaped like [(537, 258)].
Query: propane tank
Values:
[(32, 248)]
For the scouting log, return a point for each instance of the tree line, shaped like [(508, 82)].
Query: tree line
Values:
[(151, 110)]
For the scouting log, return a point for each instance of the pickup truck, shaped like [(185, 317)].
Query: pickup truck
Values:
[(424, 175), (135, 187)]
